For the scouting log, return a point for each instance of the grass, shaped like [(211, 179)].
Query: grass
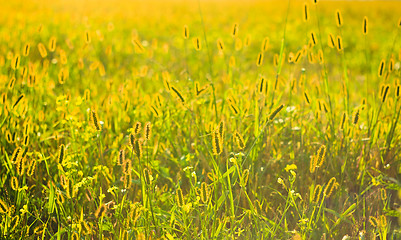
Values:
[(200, 120)]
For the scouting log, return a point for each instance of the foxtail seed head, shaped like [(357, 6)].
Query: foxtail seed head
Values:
[(343, 120), (239, 140), (61, 154), (127, 165), (42, 50), (330, 187), (16, 62), (217, 143), (235, 30), (185, 32), (382, 66), (178, 94), (197, 43), (52, 44), (259, 60), (265, 44), (3, 207), (14, 183), (148, 130), (339, 18), (204, 192), (316, 193), (17, 155), (179, 197), (306, 96), (26, 49), (313, 38), (275, 112), (306, 12), (365, 25), (138, 147), (121, 157), (220, 45), (31, 168), (95, 120), (385, 93), (356, 117), (321, 154), (339, 43)]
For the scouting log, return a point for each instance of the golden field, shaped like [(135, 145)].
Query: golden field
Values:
[(188, 119)]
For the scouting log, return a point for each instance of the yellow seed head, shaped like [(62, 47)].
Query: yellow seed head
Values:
[(178, 94), (3, 207), (221, 129), (330, 187), (275, 112), (382, 66), (179, 198), (18, 100), (95, 120), (16, 62), (137, 128), (312, 164), (313, 38), (217, 143), (204, 192), (26, 49), (275, 60), (343, 121), (61, 154), (235, 30), (391, 65), (265, 44), (298, 56), (185, 33), (220, 45), (127, 180), (306, 96), (87, 37), (31, 168), (356, 117), (138, 147), (316, 193), (259, 60), (127, 166), (121, 157), (306, 12), (321, 154), (239, 140), (148, 130), (52, 44), (17, 155), (339, 43), (262, 86), (386, 90), (42, 50), (21, 166), (339, 18), (365, 25), (14, 183), (63, 75), (197, 43)]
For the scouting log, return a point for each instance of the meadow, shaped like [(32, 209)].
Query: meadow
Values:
[(187, 119)]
